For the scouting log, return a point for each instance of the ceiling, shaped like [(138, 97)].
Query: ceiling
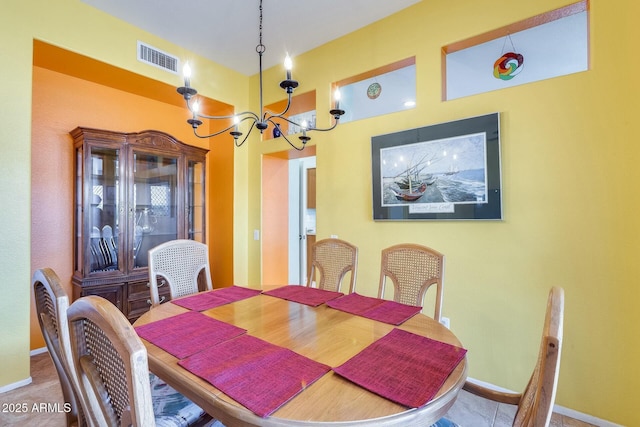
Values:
[(226, 31)]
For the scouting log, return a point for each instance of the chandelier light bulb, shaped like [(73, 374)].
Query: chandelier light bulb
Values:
[(336, 98), (186, 72), (288, 65), (195, 107)]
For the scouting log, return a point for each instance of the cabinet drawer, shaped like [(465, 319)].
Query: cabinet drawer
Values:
[(140, 290), (139, 297), (113, 293), (138, 308)]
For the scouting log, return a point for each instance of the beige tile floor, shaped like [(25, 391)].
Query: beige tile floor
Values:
[(468, 411), (473, 411)]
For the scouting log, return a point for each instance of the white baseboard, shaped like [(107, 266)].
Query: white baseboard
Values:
[(15, 385), (584, 417), (38, 351), (556, 408), (25, 381)]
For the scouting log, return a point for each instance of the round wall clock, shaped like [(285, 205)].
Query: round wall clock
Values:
[(373, 91)]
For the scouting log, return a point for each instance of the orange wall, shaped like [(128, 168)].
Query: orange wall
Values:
[(220, 210), (275, 221), (62, 102)]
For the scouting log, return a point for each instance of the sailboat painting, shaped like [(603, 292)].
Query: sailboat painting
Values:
[(441, 172)]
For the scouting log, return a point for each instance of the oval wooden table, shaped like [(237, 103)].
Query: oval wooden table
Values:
[(320, 333)]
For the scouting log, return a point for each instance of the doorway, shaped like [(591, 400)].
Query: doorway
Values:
[(302, 216), (288, 221)]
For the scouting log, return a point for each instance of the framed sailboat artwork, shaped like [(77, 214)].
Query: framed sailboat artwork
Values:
[(447, 171)]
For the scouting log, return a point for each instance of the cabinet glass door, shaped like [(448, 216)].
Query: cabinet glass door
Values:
[(104, 201), (195, 201), (155, 203)]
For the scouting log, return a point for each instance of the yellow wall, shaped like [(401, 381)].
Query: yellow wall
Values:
[(569, 159), (72, 25), (569, 166)]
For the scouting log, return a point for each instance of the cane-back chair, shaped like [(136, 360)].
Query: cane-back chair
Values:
[(113, 373), (179, 262), (331, 260), (413, 269), (52, 302)]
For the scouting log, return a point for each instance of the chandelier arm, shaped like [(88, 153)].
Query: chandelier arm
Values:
[(292, 144), (286, 119), (203, 116), (285, 137), (230, 116), (251, 115), (335, 123), (246, 136), (195, 132), (187, 101), (228, 128), (280, 115)]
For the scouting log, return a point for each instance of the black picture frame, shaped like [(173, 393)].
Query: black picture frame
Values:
[(446, 171)]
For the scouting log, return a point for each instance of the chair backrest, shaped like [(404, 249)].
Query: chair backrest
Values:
[(331, 260), (111, 364), (413, 269), (179, 262), (536, 404), (51, 304)]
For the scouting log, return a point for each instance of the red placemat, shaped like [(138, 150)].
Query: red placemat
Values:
[(257, 374), (406, 368), (392, 312), (187, 333), (303, 294), (211, 299), (381, 310), (237, 293), (200, 301), (354, 303)]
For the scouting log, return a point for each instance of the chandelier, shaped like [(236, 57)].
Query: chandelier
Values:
[(260, 121)]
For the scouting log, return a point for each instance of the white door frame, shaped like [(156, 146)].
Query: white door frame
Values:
[(299, 218)]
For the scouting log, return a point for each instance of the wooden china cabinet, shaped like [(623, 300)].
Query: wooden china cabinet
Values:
[(133, 191)]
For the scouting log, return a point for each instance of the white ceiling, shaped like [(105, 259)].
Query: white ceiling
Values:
[(226, 31)]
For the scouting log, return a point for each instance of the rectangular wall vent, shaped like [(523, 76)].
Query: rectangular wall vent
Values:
[(157, 58)]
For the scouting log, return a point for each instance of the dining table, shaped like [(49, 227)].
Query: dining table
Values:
[(324, 336)]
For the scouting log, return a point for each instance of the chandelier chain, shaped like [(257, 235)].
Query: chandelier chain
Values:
[(260, 48)]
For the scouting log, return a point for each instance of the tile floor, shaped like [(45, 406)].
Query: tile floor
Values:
[(473, 411), (468, 411)]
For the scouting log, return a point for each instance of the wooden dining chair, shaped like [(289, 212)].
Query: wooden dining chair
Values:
[(51, 302), (179, 262), (413, 269), (331, 260), (113, 373), (535, 404)]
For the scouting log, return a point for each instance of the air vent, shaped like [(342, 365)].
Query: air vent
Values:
[(157, 58)]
